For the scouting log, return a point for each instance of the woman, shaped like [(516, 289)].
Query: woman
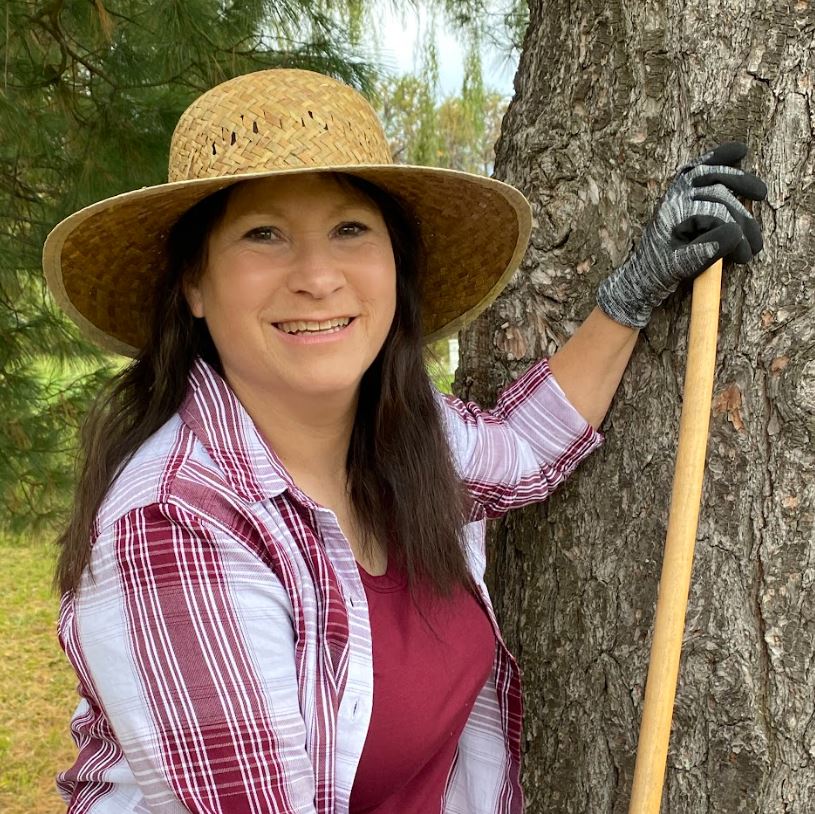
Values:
[(272, 583)]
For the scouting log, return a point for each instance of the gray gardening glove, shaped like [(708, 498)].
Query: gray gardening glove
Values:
[(697, 222)]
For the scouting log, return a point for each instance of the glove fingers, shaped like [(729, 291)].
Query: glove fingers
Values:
[(744, 184), (720, 194), (728, 153)]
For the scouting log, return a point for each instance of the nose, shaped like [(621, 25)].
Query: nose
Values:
[(315, 270)]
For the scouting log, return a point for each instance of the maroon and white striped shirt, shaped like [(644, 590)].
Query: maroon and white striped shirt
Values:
[(222, 642)]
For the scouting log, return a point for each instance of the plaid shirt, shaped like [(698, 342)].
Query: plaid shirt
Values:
[(222, 643)]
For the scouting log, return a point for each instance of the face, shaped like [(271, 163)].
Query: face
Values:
[(299, 291)]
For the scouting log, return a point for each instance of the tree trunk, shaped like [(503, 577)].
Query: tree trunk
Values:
[(610, 98)]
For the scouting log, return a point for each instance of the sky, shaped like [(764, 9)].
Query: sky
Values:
[(397, 44)]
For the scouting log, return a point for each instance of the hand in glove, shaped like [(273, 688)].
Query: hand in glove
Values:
[(698, 221)]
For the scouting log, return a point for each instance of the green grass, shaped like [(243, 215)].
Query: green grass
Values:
[(37, 684)]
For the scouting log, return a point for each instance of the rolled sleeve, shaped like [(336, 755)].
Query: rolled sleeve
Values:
[(523, 449)]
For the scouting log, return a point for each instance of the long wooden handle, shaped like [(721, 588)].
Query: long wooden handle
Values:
[(672, 604)]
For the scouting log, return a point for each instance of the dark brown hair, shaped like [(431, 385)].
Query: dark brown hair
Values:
[(403, 486)]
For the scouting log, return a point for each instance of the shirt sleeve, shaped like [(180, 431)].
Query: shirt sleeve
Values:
[(523, 449), (188, 639)]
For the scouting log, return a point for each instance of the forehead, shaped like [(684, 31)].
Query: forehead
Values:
[(311, 192)]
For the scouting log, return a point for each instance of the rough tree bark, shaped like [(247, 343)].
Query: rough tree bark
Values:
[(610, 97)]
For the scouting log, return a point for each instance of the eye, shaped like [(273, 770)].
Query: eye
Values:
[(262, 233), (351, 229)]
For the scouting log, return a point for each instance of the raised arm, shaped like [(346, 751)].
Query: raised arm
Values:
[(546, 421), (698, 221), (590, 365)]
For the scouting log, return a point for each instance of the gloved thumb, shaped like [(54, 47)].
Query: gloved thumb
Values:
[(732, 243), (725, 240)]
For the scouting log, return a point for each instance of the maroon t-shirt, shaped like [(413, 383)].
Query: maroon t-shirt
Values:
[(425, 684)]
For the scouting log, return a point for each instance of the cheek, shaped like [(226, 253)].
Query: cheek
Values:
[(243, 288), (382, 285), (383, 296)]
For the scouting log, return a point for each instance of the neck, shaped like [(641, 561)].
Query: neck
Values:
[(310, 435)]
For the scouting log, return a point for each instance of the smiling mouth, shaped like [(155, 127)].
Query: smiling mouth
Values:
[(305, 327)]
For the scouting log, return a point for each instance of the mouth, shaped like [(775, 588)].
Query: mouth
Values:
[(308, 327)]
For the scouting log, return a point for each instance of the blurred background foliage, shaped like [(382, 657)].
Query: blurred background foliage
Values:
[(90, 93)]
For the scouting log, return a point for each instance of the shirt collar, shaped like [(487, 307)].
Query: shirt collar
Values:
[(219, 421)]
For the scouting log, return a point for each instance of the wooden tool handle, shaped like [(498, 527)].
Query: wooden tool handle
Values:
[(669, 624)]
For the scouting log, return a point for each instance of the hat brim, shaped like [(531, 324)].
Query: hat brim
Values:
[(101, 262)]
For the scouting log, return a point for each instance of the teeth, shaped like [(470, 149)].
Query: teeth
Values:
[(313, 327)]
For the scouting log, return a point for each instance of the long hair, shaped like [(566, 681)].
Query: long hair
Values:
[(403, 486)]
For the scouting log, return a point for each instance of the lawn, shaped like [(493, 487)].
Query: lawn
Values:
[(37, 684)]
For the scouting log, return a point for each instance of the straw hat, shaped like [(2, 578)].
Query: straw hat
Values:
[(101, 262)]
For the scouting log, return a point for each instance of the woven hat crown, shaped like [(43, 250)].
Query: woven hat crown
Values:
[(278, 119)]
